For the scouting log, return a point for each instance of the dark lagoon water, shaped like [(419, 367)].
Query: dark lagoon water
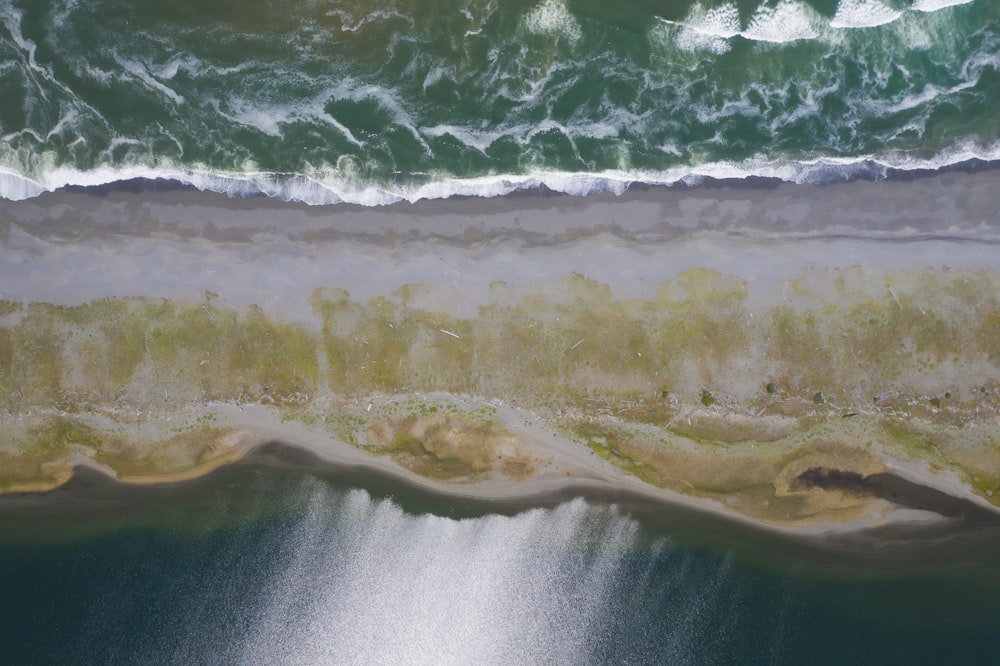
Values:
[(371, 102), (260, 565)]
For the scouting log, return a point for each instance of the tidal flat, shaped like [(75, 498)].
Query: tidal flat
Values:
[(807, 359)]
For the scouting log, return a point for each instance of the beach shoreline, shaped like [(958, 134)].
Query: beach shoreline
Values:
[(262, 438), (903, 204), (893, 248)]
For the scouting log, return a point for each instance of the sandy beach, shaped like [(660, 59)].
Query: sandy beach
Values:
[(812, 360)]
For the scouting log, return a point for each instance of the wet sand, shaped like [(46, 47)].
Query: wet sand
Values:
[(72, 247)]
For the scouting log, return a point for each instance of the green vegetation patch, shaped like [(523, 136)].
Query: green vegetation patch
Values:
[(452, 447), (39, 453), (134, 457), (226, 353), (699, 359), (42, 451), (9, 307)]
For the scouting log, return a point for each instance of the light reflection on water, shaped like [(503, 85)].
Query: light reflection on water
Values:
[(270, 569), (376, 584)]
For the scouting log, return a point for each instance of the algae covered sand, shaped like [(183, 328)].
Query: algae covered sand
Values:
[(791, 379)]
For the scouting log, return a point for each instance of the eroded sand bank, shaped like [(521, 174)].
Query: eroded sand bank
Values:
[(800, 357)]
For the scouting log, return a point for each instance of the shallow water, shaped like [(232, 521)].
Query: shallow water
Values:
[(269, 566)]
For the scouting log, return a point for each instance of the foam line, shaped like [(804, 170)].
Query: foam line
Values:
[(322, 189)]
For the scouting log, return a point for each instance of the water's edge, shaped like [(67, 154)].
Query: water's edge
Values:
[(93, 502)]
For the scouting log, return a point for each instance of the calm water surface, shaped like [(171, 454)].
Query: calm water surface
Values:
[(268, 566)]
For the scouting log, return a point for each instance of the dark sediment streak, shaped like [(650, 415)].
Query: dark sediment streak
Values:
[(966, 537)]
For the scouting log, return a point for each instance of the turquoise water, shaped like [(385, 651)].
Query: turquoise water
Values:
[(263, 566), (371, 102)]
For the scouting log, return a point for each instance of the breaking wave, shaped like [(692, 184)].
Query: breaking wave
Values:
[(320, 190)]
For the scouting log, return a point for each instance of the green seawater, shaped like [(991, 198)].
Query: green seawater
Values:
[(261, 565), (370, 102)]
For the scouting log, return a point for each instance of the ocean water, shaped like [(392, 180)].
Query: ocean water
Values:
[(372, 102), (260, 566)]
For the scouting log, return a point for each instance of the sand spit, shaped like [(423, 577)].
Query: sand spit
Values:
[(838, 491), (812, 359)]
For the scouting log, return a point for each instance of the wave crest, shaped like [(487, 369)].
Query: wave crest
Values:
[(787, 21), (325, 189), (863, 14), (935, 5)]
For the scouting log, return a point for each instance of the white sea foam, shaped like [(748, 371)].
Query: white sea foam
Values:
[(12, 21), (552, 17), (693, 40), (60, 14), (168, 70), (434, 75), (713, 28), (786, 21), (17, 187), (615, 119), (351, 23), (722, 21), (914, 34), (480, 140), (709, 29), (266, 119), (269, 118), (141, 72), (863, 14), (935, 5), (329, 188)]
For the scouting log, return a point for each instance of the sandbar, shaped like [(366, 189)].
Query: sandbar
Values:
[(810, 360)]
